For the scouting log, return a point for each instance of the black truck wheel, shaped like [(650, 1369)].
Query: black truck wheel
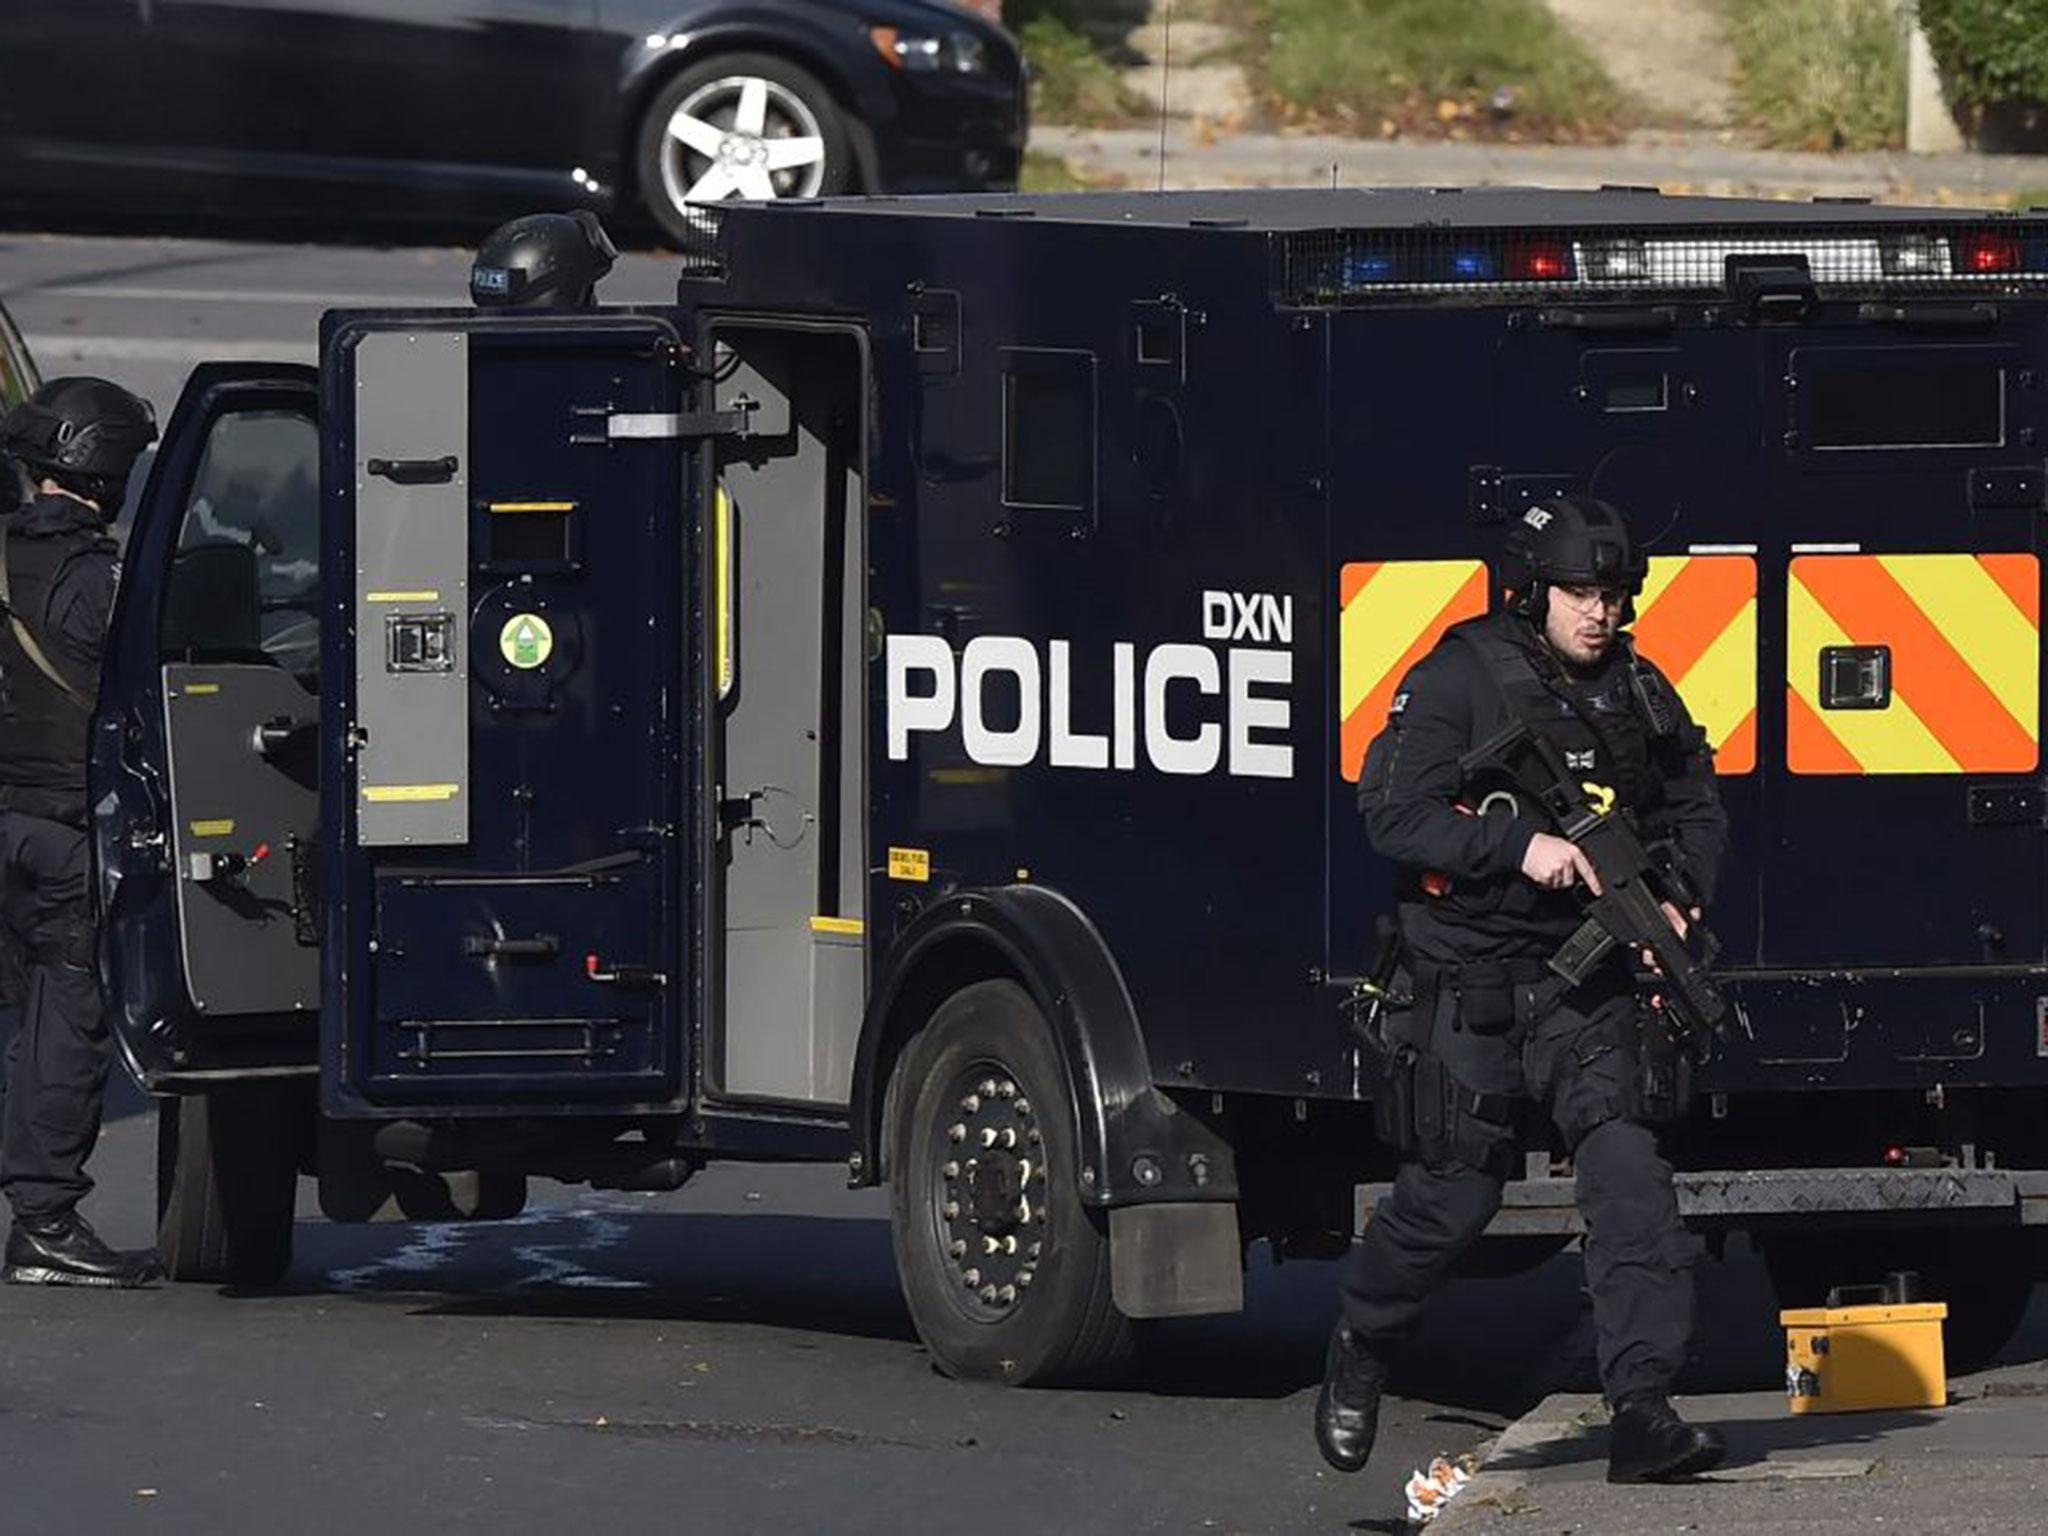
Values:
[(227, 1178), (1005, 1270), (1986, 1277)]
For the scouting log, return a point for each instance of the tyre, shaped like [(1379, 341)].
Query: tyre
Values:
[(227, 1179), (1005, 1270), (1987, 1278), (741, 125)]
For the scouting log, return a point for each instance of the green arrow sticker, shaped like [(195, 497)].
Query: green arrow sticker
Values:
[(526, 641)]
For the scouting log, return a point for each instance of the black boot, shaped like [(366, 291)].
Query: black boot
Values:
[(63, 1250), (1348, 1407), (1650, 1443)]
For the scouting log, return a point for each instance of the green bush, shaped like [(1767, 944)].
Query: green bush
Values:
[(1821, 74), (1993, 54), (1072, 79)]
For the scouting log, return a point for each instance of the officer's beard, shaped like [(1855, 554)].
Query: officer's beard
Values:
[(1583, 643)]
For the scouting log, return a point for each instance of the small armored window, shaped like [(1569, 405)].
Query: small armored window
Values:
[(1855, 677), (1049, 430)]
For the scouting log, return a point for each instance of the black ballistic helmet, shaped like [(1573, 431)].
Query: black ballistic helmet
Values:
[(84, 433), (551, 260), (1569, 541)]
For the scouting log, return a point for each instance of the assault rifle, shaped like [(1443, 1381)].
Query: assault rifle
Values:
[(1633, 887)]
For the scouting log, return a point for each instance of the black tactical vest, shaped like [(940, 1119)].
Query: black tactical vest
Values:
[(1594, 722), (1598, 727), (42, 729)]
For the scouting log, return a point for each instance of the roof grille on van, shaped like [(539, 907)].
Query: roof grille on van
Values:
[(1344, 267)]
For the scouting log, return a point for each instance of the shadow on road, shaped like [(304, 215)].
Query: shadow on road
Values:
[(1488, 1351)]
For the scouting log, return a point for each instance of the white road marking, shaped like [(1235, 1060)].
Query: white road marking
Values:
[(435, 1245)]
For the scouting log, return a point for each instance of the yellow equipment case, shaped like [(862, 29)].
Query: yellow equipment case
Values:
[(1870, 1347)]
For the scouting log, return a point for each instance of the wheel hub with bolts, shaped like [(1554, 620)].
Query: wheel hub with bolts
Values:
[(742, 136), (991, 1189)]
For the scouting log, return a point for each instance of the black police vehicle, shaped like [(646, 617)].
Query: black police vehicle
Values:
[(903, 704)]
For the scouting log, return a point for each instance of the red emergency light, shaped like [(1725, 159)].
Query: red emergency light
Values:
[(1987, 250), (1540, 261)]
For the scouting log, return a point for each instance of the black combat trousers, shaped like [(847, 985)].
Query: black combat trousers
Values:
[(57, 1060), (1578, 1063)]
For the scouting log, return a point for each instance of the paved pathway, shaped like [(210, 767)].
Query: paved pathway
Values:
[(1670, 55), (1676, 162)]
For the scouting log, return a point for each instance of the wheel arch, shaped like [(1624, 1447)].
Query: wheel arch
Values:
[(815, 56), (1045, 943)]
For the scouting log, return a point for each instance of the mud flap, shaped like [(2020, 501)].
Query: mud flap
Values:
[(1178, 1259)]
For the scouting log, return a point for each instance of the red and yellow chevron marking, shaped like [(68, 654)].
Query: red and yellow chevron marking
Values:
[(1696, 619), (1965, 639), (1393, 612)]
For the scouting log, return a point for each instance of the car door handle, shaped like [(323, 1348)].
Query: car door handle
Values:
[(416, 471)]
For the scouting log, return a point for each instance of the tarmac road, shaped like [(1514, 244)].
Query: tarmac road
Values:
[(730, 1358)]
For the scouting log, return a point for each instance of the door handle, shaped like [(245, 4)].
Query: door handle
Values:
[(481, 946), (274, 736), (416, 471)]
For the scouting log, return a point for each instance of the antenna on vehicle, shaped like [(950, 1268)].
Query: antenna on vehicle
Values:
[(1165, 81)]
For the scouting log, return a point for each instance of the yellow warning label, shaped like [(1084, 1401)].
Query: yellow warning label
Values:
[(846, 925), (404, 794), (201, 690), (910, 864), (526, 641), (721, 607), (401, 597), (223, 827)]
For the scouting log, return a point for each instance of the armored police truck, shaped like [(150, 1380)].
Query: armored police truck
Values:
[(902, 705)]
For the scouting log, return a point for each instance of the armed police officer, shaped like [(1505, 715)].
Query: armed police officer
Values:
[(1490, 894), (77, 438)]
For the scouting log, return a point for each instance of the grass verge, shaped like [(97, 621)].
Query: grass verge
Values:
[(1503, 69), (1820, 74), (1072, 80), (1045, 172)]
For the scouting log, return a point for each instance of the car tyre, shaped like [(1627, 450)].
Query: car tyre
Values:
[(1006, 1272), (227, 1180), (694, 149)]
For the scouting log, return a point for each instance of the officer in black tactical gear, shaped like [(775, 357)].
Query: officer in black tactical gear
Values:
[(77, 438), (542, 261), (1487, 894)]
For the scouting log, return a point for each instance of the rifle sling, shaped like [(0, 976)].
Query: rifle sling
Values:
[(30, 647)]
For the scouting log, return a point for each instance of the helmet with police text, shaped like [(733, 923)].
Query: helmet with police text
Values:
[(548, 260), (83, 433), (1569, 541)]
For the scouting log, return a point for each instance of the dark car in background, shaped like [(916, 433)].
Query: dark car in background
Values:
[(416, 107)]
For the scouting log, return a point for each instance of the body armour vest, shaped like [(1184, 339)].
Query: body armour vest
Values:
[(42, 730), (1596, 725)]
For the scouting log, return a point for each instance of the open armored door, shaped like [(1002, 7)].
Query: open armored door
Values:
[(204, 770), (506, 889)]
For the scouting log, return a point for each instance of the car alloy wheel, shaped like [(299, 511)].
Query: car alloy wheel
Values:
[(742, 136)]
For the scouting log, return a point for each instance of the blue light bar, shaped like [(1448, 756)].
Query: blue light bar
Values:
[(1365, 267)]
